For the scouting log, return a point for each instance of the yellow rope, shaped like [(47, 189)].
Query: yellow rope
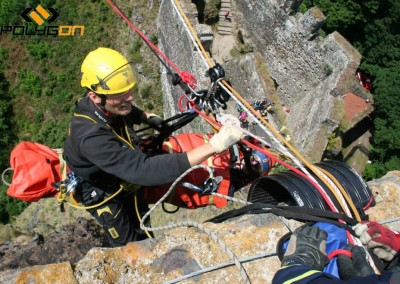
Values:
[(138, 214), (92, 206), (194, 34), (259, 116), (344, 193), (294, 151)]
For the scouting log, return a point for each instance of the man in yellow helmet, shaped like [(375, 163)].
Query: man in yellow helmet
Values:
[(101, 149)]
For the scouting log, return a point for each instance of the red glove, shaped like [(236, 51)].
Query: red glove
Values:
[(384, 242)]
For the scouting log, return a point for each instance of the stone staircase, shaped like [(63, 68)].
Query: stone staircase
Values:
[(225, 26)]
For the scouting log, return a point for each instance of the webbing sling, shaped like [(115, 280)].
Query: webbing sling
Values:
[(290, 212)]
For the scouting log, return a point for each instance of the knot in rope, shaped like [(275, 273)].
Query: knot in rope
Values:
[(189, 79)]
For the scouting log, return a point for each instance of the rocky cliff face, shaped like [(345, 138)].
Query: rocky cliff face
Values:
[(310, 74), (175, 253)]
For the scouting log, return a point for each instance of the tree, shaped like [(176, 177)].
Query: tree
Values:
[(373, 27)]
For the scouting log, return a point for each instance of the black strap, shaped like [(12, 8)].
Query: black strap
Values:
[(290, 212), (246, 157)]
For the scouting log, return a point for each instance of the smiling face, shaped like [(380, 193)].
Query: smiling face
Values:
[(120, 104)]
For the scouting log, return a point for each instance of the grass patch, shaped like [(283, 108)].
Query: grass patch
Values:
[(45, 217)]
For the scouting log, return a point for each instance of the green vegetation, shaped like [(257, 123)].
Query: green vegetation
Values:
[(40, 74), (8, 206), (208, 10), (211, 11), (373, 28)]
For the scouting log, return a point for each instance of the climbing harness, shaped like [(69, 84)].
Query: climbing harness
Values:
[(336, 190), (207, 103)]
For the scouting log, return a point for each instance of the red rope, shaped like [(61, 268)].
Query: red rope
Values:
[(190, 79), (185, 76), (276, 159)]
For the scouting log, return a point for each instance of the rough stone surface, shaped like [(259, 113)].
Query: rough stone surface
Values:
[(71, 243), (177, 251), (311, 74), (57, 273), (387, 196)]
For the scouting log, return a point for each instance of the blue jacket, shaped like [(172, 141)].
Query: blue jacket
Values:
[(301, 274)]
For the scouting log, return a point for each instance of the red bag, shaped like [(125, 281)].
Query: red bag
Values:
[(183, 196), (35, 167)]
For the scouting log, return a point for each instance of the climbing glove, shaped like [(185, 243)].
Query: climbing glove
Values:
[(307, 246), (356, 265), (154, 121), (384, 242), (225, 138)]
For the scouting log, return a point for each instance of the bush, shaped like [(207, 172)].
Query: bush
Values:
[(9, 207), (211, 11), (149, 106), (144, 91)]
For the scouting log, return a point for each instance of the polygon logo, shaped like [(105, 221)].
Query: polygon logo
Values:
[(39, 15)]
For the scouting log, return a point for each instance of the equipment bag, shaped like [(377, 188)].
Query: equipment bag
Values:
[(187, 198), (335, 242), (35, 168)]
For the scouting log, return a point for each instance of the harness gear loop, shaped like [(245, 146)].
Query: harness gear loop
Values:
[(61, 197), (63, 163)]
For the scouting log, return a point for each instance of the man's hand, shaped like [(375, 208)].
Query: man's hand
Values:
[(225, 138), (307, 246), (384, 242), (154, 121), (357, 265)]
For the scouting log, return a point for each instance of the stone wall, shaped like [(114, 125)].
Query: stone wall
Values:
[(182, 250), (307, 69), (175, 42), (311, 74)]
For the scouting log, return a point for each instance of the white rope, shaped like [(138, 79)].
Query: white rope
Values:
[(236, 261), (278, 144), (346, 208), (219, 266), (211, 234), (390, 221), (189, 33)]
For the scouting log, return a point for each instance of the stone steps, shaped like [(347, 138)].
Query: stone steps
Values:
[(225, 33), (224, 27)]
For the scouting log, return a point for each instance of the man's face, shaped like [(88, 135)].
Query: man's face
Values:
[(120, 104)]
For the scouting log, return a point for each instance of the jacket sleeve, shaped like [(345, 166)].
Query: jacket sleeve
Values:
[(102, 148), (136, 115), (301, 274)]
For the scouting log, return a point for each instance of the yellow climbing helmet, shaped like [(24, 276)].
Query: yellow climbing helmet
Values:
[(105, 71)]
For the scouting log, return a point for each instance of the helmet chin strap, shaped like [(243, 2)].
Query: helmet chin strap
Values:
[(103, 101), (102, 104)]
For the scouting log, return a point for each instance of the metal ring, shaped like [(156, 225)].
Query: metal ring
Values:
[(3, 176)]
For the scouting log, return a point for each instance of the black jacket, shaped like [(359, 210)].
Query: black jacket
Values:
[(101, 159)]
